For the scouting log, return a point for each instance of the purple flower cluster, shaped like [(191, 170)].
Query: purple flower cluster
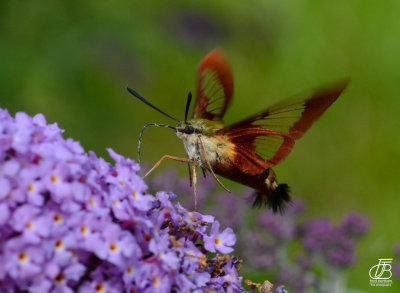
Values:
[(72, 222), (266, 240), (335, 245)]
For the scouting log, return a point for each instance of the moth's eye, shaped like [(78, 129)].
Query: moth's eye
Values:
[(189, 129)]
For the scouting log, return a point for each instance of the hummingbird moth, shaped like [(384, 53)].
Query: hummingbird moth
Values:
[(247, 150)]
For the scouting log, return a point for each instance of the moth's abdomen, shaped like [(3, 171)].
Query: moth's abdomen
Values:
[(268, 192)]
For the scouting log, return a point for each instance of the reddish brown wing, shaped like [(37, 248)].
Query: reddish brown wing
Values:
[(214, 87), (265, 139)]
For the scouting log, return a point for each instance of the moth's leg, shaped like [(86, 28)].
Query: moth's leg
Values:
[(190, 174), (204, 172), (184, 160), (194, 181), (209, 165)]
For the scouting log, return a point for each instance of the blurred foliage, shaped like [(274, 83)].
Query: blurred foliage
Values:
[(72, 60)]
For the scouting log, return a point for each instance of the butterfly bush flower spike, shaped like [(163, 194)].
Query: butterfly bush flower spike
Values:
[(72, 222)]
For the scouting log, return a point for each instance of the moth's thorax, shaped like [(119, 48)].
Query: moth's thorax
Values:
[(216, 146)]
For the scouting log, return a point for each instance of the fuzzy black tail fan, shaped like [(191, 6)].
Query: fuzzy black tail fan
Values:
[(277, 200)]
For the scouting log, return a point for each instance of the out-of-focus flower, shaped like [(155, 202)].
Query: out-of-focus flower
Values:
[(72, 222), (354, 225), (334, 244), (396, 249), (396, 264)]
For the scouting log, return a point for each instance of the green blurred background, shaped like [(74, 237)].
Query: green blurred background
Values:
[(71, 61)]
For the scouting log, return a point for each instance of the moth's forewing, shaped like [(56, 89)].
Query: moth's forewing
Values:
[(214, 87)]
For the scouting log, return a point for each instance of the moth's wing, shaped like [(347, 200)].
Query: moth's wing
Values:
[(214, 87), (265, 139)]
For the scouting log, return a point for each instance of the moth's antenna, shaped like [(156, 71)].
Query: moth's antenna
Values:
[(141, 134), (148, 103), (189, 99)]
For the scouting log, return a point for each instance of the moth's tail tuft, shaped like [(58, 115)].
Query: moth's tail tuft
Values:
[(277, 200)]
